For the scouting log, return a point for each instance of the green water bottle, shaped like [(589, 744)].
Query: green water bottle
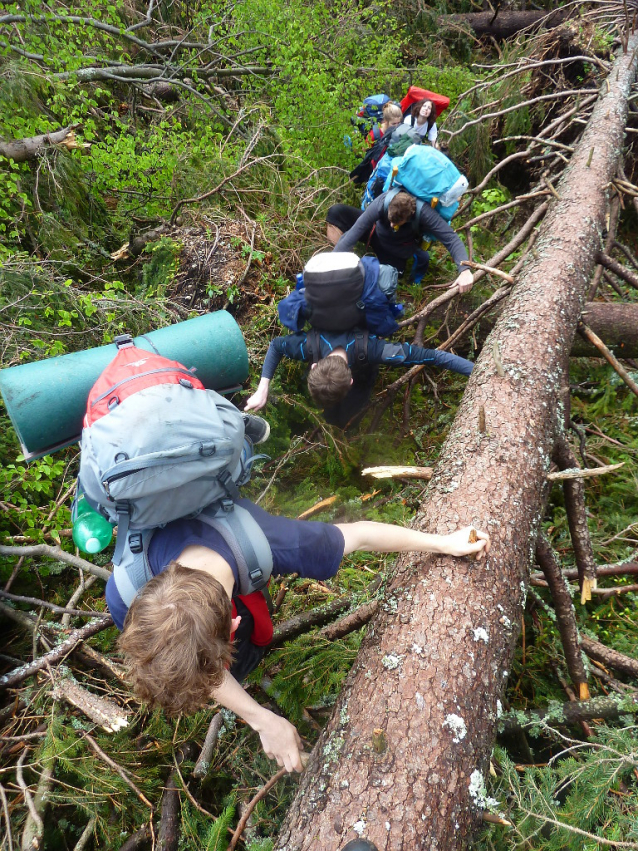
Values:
[(91, 532)]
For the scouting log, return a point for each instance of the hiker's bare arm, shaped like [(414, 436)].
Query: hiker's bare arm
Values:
[(279, 739), (387, 538), (259, 398), (464, 281)]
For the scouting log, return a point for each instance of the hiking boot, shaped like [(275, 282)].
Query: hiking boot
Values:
[(360, 845), (256, 428)]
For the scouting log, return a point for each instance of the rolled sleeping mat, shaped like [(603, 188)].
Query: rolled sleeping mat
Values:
[(46, 400)]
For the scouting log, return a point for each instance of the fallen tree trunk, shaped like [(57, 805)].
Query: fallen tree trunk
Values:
[(615, 324), (402, 759), (506, 24)]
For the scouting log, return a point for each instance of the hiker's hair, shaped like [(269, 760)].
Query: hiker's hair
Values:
[(402, 207), (392, 112), (416, 108), (329, 381), (176, 639)]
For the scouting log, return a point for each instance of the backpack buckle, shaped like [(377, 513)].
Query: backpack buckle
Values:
[(256, 575), (227, 505), (122, 341), (135, 542)]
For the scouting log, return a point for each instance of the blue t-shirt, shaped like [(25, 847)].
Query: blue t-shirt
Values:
[(305, 547)]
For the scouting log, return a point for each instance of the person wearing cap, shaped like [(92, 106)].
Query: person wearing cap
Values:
[(393, 236)]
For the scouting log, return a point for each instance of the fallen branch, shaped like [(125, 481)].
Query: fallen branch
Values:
[(21, 150), (98, 709), (203, 763), (168, 834), (398, 472), (577, 473), (490, 270), (565, 615), (318, 507), (58, 653), (608, 708), (617, 268), (611, 658), (42, 604), (350, 623), (117, 768), (593, 338), (58, 554), (305, 621), (250, 806)]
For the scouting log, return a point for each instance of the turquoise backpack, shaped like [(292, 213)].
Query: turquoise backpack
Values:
[(430, 176)]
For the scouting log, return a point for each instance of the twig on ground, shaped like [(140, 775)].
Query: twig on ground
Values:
[(593, 338), (203, 763), (250, 806), (117, 768)]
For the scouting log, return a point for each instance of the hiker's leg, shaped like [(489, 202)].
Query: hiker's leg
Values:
[(339, 219), (420, 267)]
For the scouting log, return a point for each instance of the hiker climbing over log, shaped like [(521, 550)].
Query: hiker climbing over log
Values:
[(394, 231), (350, 305), (176, 635)]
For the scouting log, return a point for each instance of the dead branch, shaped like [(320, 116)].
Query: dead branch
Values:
[(137, 839), (210, 742), (250, 806), (614, 215), (85, 583), (42, 604), (577, 473), (36, 804), (117, 768), (515, 203), (608, 708), (353, 621), (306, 620), (98, 709), (611, 658), (490, 270), (168, 834), (593, 338), (220, 185), (58, 554), (58, 653), (398, 472), (83, 841), (574, 492), (565, 615), (7, 818), (617, 268), (318, 507)]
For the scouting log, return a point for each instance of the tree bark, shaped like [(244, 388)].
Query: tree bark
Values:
[(21, 150), (402, 760), (506, 24)]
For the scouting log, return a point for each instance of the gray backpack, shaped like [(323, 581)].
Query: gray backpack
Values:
[(158, 446)]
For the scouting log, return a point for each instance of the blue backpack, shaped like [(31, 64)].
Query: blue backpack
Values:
[(430, 176), (370, 113), (371, 309)]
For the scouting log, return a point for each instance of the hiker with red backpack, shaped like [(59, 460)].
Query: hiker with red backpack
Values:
[(422, 117)]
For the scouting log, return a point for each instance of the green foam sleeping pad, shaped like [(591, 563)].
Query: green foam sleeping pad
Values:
[(46, 399)]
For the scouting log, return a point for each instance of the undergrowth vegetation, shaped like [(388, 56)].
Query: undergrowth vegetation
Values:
[(267, 143)]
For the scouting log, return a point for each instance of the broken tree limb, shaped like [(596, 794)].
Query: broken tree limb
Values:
[(203, 763), (608, 708), (611, 658), (577, 473), (21, 150), (576, 509), (447, 629), (168, 833), (398, 472), (58, 554), (565, 615), (306, 620), (617, 268), (595, 340), (250, 806), (351, 622), (58, 653)]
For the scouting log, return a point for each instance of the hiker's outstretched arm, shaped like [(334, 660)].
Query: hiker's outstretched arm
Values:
[(387, 538), (279, 738), (259, 398)]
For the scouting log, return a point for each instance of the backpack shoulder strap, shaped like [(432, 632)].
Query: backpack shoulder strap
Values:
[(389, 195), (313, 341), (376, 132), (248, 544), (416, 221), (133, 571), (361, 346)]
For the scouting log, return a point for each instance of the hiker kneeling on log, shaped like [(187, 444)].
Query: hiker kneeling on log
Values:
[(344, 360)]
